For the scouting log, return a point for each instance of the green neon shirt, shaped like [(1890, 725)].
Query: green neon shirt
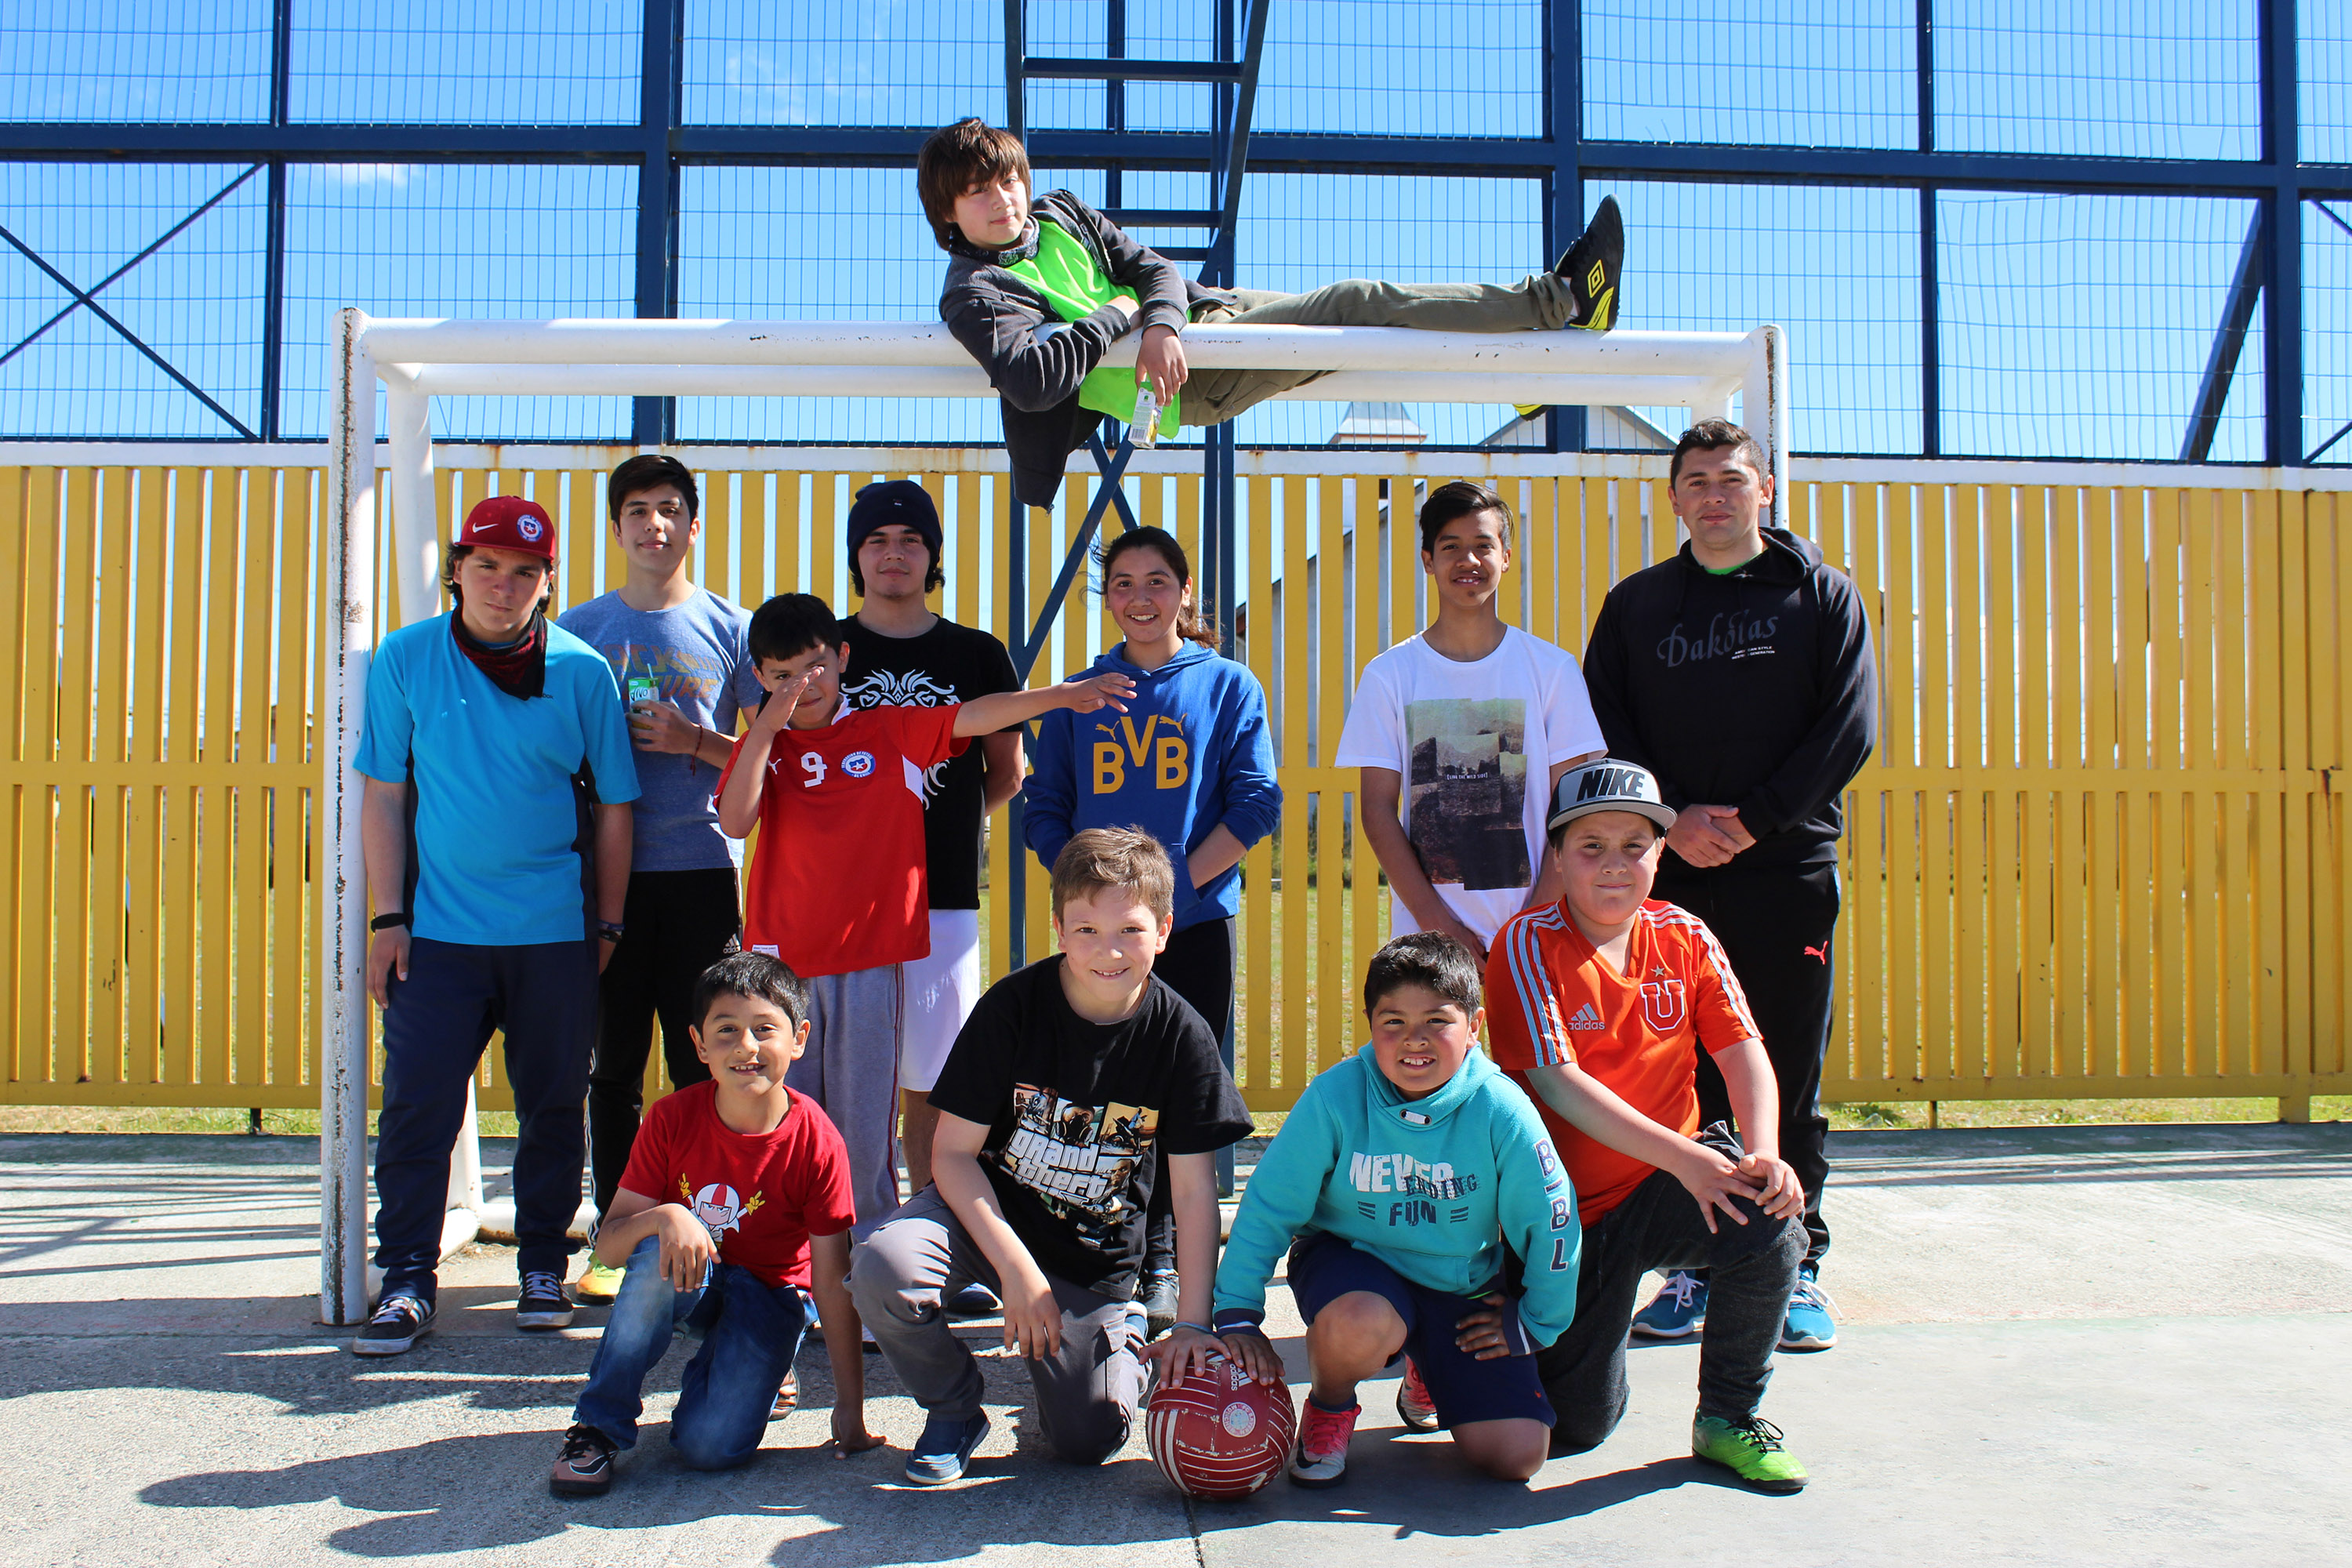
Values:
[(1065, 272)]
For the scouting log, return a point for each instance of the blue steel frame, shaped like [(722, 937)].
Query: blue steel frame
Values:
[(659, 145)]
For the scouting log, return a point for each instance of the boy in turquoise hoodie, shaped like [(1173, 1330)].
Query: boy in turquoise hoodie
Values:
[(1409, 1175)]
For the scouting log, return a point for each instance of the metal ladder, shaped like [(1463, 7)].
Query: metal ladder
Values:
[(1233, 74)]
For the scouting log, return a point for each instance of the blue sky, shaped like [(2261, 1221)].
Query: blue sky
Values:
[(2071, 325)]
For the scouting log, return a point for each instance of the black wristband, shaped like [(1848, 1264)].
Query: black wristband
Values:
[(609, 930), (386, 923)]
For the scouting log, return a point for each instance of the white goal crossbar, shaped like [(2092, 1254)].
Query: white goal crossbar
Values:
[(415, 360)]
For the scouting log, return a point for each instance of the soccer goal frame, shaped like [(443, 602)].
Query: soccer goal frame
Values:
[(412, 361)]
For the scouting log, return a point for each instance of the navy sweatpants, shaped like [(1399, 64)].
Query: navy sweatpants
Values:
[(439, 1020)]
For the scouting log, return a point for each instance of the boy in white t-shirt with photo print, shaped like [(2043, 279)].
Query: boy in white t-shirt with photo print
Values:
[(1459, 733)]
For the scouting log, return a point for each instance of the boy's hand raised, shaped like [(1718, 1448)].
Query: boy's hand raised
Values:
[(775, 715), (1103, 690)]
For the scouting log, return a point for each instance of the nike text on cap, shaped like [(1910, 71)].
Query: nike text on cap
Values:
[(509, 523), (1608, 786)]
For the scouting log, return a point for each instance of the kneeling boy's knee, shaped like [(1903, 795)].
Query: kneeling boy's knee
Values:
[(870, 1285), (1575, 1430), (1358, 1316), (706, 1450), (1095, 1438)]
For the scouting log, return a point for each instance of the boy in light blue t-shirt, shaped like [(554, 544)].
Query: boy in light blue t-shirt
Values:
[(494, 756), (679, 654), (1408, 1175)]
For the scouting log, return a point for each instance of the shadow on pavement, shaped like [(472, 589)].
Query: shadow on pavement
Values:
[(1417, 1487)]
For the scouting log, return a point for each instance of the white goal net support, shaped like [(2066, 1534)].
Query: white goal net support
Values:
[(415, 360)]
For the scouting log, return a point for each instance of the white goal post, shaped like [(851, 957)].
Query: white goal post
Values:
[(415, 360)]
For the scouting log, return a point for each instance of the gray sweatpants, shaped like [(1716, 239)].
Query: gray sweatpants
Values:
[(851, 1069), (1541, 302), (1087, 1393)]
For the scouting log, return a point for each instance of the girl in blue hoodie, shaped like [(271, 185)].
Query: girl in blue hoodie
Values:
[(1189, 763), (1399, 1183)]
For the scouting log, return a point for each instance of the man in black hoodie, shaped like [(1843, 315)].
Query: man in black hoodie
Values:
[(1037, 291), (1740, 674)]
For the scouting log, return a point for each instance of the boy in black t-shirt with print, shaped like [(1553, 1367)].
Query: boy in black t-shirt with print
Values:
[(1068, 1080)]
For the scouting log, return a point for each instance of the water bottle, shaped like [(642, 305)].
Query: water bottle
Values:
[(1143, 430)]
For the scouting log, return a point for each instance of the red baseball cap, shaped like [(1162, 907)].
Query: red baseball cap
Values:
[(509, 523)]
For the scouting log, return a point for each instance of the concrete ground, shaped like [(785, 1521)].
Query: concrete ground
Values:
[(2062, 1345)]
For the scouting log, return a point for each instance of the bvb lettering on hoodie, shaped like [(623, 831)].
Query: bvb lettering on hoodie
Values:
[(1191, 753)]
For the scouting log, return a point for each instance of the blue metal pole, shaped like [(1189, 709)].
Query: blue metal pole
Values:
[(2282, 439), (653, 419)]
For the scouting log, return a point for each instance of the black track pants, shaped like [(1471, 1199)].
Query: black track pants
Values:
[(678, 924), (1775, 926), (1199, 967)]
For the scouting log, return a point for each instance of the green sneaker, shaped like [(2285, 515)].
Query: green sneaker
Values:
[(1750, 1449), (598, 1283)]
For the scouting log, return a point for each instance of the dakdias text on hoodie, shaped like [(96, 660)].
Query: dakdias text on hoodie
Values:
[(1192, 751), (1754, 689), (1437, 1188)]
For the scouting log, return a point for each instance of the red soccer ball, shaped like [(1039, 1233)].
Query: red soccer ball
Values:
[(1216, 1433)]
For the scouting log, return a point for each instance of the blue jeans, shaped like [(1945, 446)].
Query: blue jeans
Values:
[(749, 1332)]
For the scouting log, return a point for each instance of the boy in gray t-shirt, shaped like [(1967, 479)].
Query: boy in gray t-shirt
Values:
[(680, 656)]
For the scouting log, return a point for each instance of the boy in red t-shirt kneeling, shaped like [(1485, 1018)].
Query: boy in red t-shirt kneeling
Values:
[(1599, 1003), (736, 1199)]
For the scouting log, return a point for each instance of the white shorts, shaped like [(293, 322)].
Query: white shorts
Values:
[(939, 993)]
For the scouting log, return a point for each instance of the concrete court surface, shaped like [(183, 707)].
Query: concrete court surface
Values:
[(2062, 1345)]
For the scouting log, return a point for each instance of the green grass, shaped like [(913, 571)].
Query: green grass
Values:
[(2073, 1112), (176, 1119), (1845, 1118)]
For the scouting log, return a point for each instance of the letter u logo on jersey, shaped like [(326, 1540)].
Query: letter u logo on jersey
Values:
[(1662, 1003)]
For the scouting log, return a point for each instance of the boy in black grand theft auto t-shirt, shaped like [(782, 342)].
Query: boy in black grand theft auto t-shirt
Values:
[(1077, 1083)]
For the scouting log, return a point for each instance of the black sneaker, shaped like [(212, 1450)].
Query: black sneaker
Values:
[(542, 1304), (584, 1468), (399, 1322), (1160, 1295), (1591, 268)]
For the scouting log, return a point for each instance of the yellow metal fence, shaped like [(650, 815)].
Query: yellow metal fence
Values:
[(2100, 851)]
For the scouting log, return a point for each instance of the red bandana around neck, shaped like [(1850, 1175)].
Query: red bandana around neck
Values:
[(519, 669)]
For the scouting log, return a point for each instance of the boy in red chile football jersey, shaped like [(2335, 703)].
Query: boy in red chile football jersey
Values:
[(837, 884), (735, 1200), (1603, 1002)]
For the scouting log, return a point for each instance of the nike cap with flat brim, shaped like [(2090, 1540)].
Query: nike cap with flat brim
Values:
[(1608, 786)]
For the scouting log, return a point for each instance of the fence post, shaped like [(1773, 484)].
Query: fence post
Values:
[(1764, 405), (342, 1007), (415, 525)]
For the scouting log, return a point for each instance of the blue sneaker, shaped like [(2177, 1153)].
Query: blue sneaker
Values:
[(944, 1450), (1678, 1309), (1811, 1323), (974, 1301)]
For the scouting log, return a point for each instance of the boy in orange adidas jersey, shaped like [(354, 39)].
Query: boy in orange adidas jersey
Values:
[(1599, 1005)]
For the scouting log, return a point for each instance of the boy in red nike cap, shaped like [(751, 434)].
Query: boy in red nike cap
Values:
[(493, 748)]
